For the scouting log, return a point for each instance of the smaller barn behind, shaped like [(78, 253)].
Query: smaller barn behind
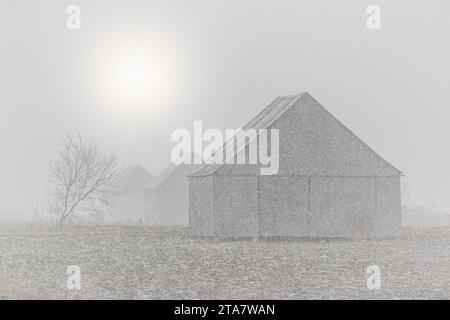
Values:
[(167, 196), (128, 207)]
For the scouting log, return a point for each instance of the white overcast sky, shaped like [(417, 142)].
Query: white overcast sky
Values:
[(222, 62)]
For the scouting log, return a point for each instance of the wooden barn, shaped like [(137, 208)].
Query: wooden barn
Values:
[(167, 197), (128, 207), (330, 184)]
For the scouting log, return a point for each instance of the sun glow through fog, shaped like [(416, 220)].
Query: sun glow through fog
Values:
[(137, 78)]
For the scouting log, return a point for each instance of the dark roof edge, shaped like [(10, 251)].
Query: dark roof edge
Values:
[(261, 114)]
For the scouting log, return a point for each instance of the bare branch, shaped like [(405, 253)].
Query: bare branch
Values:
[(83, 177)]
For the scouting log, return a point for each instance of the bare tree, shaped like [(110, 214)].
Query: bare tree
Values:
[(83, 178)]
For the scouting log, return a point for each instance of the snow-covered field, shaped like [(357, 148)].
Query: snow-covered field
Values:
[(165, 263)]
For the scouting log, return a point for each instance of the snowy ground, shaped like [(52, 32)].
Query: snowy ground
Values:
[(164, 263)]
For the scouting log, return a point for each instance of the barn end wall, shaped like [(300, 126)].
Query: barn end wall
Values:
[(201, 214)]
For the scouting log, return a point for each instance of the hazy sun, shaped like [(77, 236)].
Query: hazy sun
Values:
[(137, 78), (133, 78)]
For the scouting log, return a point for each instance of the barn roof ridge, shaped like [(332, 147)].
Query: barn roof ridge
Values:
[(168, 171), (135, 167), (269, 115), (262, 120), (157, 180)]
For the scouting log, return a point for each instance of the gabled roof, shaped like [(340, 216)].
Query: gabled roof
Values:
[(134, 176), (171, 169), (137, 169), (266, 118), (263, 120), (161, 177)]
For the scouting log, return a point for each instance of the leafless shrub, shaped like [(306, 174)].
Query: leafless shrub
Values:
[(83, 179)]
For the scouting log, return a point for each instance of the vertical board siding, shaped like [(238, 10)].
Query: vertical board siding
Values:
[(284, 206), (236, 206), (201, 218)]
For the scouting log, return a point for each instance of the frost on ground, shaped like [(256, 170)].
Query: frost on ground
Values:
[(165, 263)]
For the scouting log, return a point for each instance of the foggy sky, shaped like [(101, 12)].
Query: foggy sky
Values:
[(228, 60)]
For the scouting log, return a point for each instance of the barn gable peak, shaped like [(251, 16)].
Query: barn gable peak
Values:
[(279, 110)]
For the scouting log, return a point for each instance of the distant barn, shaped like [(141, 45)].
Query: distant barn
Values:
[(128, 207), (167, 197), (330, 184)]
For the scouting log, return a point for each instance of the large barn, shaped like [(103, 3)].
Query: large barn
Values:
[(330, 184)]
